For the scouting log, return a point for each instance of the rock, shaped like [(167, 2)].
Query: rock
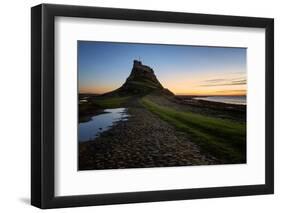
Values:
[(142, 80)]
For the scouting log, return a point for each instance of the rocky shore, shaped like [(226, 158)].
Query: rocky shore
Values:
[(142, 141)]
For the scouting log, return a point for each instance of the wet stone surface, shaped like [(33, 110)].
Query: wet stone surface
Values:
[(142, 141)]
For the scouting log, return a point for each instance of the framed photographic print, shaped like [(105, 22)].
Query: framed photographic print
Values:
[(139, 106)]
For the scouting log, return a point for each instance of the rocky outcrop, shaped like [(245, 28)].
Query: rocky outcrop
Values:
[(142, 80)]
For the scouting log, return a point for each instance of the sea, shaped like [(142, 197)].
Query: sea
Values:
[(239, 100)]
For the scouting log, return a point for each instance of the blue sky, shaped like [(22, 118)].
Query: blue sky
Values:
[(104, 66)]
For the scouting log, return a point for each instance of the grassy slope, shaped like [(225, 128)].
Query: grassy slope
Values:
[(222, 138), (100, 103), (111, 102)]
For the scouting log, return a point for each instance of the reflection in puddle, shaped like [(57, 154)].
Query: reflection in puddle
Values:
[(100, 123)]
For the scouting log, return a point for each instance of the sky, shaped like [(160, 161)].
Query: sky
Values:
[(183, 69)]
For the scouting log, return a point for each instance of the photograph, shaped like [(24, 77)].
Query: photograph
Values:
[(160, 105), (148, 104)]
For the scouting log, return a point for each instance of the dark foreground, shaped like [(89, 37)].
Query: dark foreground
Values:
[(165, 132)]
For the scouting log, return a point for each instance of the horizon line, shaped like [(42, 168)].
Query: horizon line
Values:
[(177, 94)]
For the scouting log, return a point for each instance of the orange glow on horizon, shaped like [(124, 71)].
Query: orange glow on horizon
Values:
[(97, 90), (228, 92), (232, 83), (218, 93), (214, 83)]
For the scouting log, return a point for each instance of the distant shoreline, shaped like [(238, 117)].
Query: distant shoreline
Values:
[(236, 100), (187, 95)]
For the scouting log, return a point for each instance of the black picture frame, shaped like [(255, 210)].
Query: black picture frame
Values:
[(43, 117)]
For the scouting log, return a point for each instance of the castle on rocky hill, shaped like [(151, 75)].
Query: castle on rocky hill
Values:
[(142, 80), (139, 66)]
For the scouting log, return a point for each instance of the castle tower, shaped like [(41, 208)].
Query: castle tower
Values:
[(140, 67), (137, 63)]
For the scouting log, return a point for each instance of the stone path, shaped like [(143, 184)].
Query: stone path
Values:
[(142, 141)]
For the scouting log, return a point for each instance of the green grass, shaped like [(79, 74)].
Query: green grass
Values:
[(144, 84), (224, 139), (110, 102)]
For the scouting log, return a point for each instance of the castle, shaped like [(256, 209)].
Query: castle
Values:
[(139, 66), (141, 80)]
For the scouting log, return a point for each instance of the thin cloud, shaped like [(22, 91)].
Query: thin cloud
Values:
[(224, 82), (231, 91), (215, 80)]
